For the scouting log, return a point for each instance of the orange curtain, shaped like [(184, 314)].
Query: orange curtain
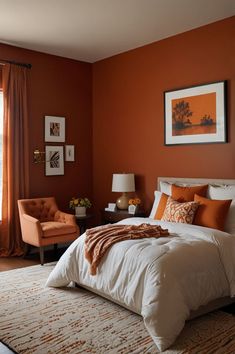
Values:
[(15, 156)]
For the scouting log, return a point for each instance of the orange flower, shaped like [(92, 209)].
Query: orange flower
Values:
[(134, 201), (137, 201)]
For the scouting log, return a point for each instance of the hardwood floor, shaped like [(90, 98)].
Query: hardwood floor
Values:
[(8, 263), (16, 262)]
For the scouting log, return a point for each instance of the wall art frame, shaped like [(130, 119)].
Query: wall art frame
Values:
[(54, 162), (69, 153), (196, 114), (54, 129)]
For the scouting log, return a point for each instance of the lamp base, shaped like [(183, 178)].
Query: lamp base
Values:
[(122, 202)]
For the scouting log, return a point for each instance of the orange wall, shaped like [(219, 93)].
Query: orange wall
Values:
[(60, 87), (128, 111), (127, 131)]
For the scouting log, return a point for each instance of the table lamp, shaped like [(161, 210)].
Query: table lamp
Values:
[(123, 182)]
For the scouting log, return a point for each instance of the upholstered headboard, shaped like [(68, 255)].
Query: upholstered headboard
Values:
[(179, 180)]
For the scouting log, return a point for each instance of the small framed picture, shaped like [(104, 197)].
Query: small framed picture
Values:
[(54, 160), (132, 209), (69, 153), (54, 129)]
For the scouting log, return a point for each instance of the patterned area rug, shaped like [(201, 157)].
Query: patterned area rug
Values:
[(39, 320)]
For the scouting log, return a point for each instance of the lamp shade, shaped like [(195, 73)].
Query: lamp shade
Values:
[(123, 182)]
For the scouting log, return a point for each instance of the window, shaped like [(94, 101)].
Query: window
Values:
[(1, 141)]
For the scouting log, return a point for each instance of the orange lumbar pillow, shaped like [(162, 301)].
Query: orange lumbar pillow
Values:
[(179, 212), (186, 194), (211, 213)]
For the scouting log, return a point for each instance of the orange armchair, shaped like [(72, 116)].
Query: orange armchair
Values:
[(43, 224)]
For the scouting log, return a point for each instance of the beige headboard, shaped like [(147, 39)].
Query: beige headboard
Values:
[(179, 180)]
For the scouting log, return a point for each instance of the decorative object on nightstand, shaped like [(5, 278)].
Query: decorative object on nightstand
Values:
[(123, 182), (80, 211), (134, 204), (111, 207), (79, 205)]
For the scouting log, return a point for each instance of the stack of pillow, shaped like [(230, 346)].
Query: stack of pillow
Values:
[(204, 205)]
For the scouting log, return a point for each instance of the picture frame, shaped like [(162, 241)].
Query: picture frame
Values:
[(54, 129), (196, 114), (69, 153), (54, 162), (132, 209)]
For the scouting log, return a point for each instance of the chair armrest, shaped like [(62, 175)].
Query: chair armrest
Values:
[(31, 230), (65, 218), (30, 219)]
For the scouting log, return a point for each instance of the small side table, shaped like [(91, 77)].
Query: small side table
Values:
[(110, 217), (82, 222)]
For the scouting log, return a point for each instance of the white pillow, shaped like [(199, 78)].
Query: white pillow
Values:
[(223, 193), (230, 222), (165, 187), (157, 197)]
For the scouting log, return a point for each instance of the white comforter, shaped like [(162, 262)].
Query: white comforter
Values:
[(161, 279)]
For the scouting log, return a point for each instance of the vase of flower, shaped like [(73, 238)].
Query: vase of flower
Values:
[(80, 211), (133, 205), (79, 205)]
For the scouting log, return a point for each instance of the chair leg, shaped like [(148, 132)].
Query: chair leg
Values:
[(41, 251), (27, 249)]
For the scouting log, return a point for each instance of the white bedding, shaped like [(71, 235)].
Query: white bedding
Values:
[(161, 279)]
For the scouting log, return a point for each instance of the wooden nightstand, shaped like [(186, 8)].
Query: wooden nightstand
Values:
[(110, 217), (82, 222)]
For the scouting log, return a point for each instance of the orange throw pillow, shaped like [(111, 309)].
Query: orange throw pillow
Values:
[(161, 206), (211, 213), (186, 194)]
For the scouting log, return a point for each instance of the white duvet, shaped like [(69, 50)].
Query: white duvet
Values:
[(161, 279)]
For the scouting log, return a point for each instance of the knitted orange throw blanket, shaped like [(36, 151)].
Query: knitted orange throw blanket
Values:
[(99, 239)]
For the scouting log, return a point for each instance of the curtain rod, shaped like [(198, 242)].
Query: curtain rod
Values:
[(25, 65)]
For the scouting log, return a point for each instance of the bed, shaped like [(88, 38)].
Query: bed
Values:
[(165, 280)]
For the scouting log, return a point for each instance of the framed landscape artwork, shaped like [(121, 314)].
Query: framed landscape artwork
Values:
[(54, 129), (196, 114), (54, 160)]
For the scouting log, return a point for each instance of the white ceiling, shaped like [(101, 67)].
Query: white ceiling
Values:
[(91, 30)]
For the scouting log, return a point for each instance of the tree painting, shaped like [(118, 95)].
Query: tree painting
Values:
[(194, 115), (207, 120), (180, 115)]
